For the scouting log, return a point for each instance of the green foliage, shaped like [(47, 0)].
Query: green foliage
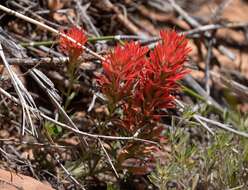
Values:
[(112, 187), (220, 164), (52, 130)]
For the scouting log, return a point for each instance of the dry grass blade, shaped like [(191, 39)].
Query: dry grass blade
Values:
[(238, 88), (54, 97), (24, 97), (43, 80), (68, 173), (203, 124), (28, 19), (223, 126), (95, 136), (202, 121), (109, 159)]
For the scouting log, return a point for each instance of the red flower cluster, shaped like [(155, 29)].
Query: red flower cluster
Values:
[(158, 79), (144, 84), (140, 84), (74, 50)]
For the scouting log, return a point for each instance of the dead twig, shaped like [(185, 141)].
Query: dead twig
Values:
[(95, 136), (238, 88), (46, 27), (109, 159), (44, 61), (25, 98), (68, 173), (223, 126), (209, 27), (203, 124), (207, 64), (194, 23)]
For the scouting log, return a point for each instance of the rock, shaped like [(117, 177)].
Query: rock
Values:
[(14, 181)]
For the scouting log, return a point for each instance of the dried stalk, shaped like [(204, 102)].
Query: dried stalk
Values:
[(46, 27), (25, 98)]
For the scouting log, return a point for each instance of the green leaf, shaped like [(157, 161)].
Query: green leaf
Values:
[(52, 129)]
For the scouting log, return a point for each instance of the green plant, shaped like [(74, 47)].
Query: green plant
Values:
[(74, 50), (137, 84), (220, 163)]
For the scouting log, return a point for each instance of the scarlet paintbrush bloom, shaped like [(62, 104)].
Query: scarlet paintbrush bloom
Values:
[(74, 50), (140, 85), (121, 70), (144, 84), (159, 77)]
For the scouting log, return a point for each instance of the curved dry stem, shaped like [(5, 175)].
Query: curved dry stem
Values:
[(46, 27)]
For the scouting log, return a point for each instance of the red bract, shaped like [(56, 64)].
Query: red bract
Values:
[(121, 69), (144, 84), (158, 81), (74, 50)]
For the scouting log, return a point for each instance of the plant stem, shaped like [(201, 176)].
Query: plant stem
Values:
[(52, 42), (90, 39), (71, 71)]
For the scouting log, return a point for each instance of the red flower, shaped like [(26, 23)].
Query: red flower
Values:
[(121, 69), (73, 49), (140, 85), (143, 84), (158, 81)]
